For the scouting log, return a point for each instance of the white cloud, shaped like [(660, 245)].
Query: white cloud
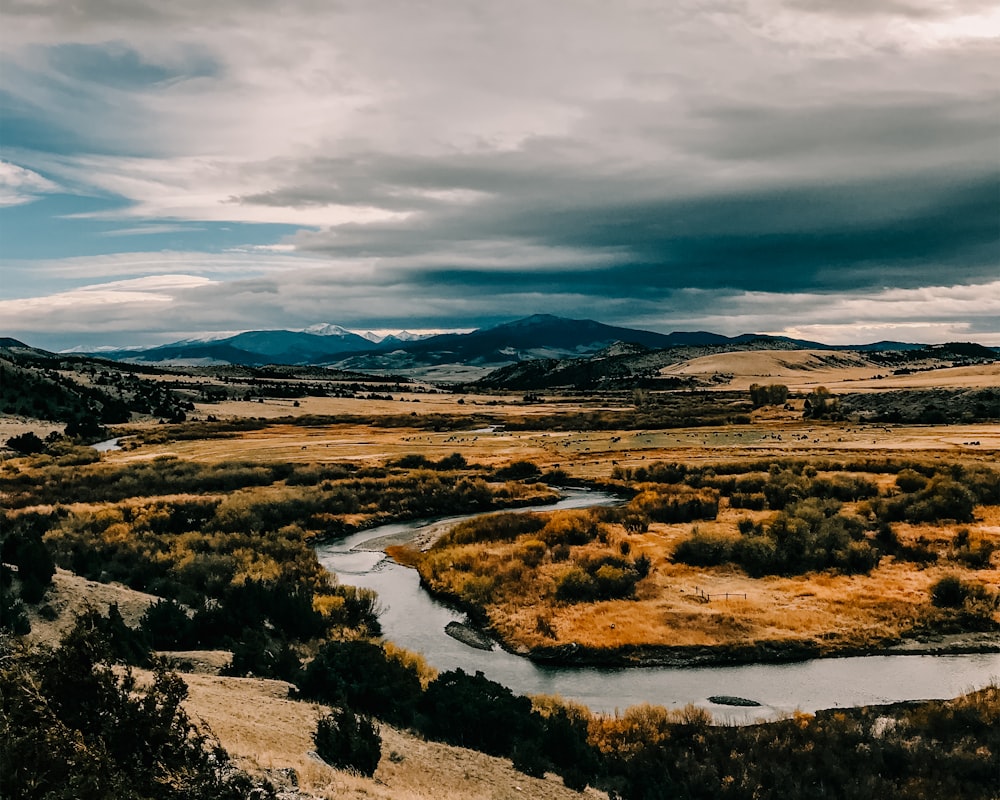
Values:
[(19, 185)]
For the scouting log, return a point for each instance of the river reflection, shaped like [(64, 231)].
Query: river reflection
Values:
[(414, 620)]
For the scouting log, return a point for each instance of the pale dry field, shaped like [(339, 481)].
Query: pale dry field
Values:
[(415, 403), (805, 370), (70, 594), (591, 454)]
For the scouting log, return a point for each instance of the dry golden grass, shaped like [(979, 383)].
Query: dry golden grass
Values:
[(833, 610), (264, 732), (593, 454)]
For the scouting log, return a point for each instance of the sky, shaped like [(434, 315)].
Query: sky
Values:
[(824, 169)]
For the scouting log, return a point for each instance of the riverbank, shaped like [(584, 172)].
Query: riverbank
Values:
[(572, 654), (764, 652)]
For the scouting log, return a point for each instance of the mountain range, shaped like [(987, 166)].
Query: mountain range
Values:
[(541, 336)]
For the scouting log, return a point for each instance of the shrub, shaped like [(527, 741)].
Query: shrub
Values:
[(26, 444), (774, 394), (263, 656), (576, 586), (704, 549), (572, 527), (24, 548), (519, 471), (908, 480), (13, 616), (505, 526), (532, 552), (676, 504), (167, 626), (755, 501), (976, 552), (360, 675), (942, 498), (950, 592), (349, 741), (473, 711)]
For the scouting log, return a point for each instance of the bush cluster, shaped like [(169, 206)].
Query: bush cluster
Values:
[(932, 750), (601, 578), (809, 535)]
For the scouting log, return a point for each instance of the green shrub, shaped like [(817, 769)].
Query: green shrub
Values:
[(576, 586), (676, 504), (502, 527), (23, 547), (908, 480), (26, 444), (704, 549), (519, 471), (473, 711)]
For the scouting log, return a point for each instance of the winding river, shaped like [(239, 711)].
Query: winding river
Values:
[(414, 620)]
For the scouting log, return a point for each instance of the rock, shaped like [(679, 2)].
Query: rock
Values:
[(466, 634), (729, 700)]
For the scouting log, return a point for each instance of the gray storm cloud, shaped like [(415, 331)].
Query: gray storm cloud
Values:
[(474, 161)]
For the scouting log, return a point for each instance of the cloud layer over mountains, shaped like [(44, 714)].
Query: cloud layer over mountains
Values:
[(816, 168)]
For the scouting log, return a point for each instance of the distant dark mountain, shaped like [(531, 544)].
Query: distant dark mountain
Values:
[(252, 348), (294, 347), (542, 336), (884, 345), (191, 353), (539, 336)]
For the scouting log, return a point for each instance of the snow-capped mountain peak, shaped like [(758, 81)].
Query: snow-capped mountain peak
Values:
[(329, 329)]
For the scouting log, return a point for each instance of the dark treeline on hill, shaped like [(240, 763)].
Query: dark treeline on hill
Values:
[(926, 406), (86, 400)]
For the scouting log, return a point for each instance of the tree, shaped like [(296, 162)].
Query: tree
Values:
[(71, 726), (774, 394)]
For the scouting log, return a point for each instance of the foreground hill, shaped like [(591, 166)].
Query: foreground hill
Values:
[(270, 735)]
